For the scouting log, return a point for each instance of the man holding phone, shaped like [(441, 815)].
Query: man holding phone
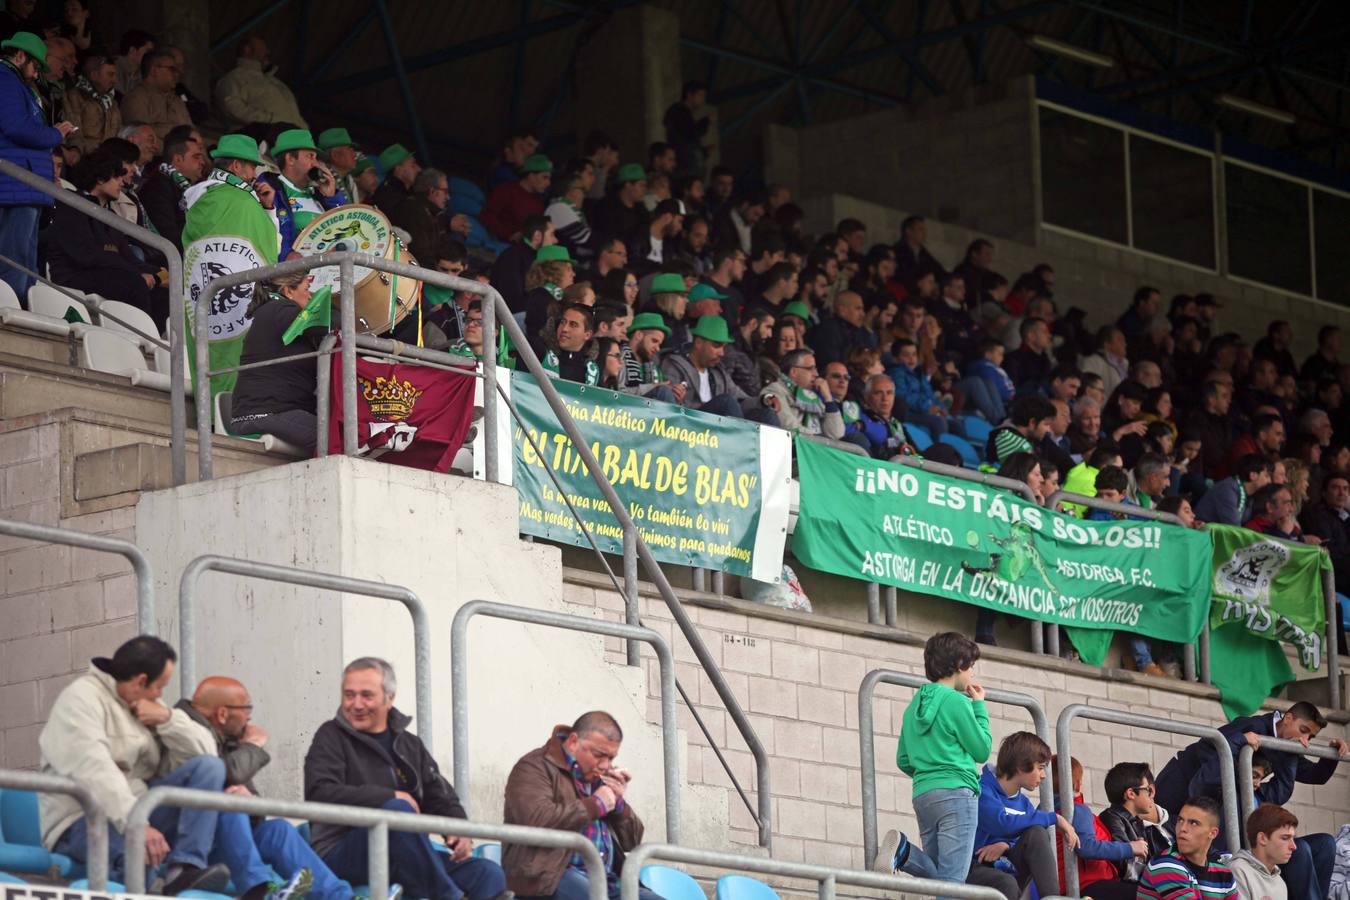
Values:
[(571, 784)]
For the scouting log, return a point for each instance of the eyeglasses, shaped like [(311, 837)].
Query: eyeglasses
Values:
[(1146, 789), (247, 707), (804, 368), (478, 321), (630, 284)]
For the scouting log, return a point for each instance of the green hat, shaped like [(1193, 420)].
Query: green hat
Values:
[(363, 162), (710, 328), (393, 155), (705, 292), (668, 283), (29, 43), (797, 308), (649, 320), (237, 146), (536, 163), (335, 137), (630, 172), (554, 253), (293, 139)]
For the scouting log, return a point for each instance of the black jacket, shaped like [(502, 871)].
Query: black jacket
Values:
[(347, 766), (1126, 826), (160, 197), (242, 761)]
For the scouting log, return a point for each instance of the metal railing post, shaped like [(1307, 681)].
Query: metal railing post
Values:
[(187, 589), (888, 594), (873, 603), (348, 332), (1246, 789), (632, 610), (490, 410), (1332, 633), (177, 321), (377, 856), (140, 563), (867, 744), (1134, 512), (1064, 748), (459, 687), (97, 823), (323, 394), (1008, 484)]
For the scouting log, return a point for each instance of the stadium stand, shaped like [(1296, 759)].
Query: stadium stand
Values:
[(647, 273)]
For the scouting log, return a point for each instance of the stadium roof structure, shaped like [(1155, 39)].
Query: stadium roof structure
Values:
[(1272, 74)]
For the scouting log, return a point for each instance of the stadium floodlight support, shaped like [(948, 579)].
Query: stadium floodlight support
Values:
[(1071, 51), (1247, 789), (867, 753), (1064, 748), (827, 878), (459, 687), (96, 821), (1252, 108), (177, 320), (377, 822)]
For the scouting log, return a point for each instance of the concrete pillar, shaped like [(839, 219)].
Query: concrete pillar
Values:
[(627, 75), (783, 158), (187, 25)]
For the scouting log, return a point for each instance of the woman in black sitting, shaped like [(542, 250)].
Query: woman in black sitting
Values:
[(279, 399)]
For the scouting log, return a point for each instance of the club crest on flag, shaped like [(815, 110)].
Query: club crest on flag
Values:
[(1251, 570)]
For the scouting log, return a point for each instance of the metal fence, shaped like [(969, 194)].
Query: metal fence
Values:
[(42, 783), (140, 563), (1064, 748), (187, 596), (1246, 790), (827, 878), (459, 686), (867, 744), (378, 822)]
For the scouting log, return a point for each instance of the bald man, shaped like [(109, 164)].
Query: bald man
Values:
[(836, 335), (223, 706)]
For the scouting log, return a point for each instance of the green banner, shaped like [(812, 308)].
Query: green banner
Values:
[(898, 525), (704, 490), (1273, 587)]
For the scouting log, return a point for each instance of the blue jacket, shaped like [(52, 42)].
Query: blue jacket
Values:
[(1004, 818), (1089, 847), (1223, 504), (992, 375), (25, 140), (912, 386)]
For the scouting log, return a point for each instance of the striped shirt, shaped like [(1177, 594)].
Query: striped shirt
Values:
[(1007, 440), (1172, 877)]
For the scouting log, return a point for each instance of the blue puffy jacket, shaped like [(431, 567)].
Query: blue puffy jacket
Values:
[(25, 140), (913, 386)]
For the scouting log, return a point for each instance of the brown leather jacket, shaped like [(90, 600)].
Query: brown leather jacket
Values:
[(540, 792)]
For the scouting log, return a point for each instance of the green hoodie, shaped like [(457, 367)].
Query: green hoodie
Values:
[(944, 739)]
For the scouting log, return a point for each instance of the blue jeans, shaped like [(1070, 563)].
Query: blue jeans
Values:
[(18, 241), (417, 866), (574, 886), (947, 819), (190, 832), (722, 405), (248, 851), (1308, 872)]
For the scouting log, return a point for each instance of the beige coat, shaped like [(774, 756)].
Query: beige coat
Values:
[(248, 94), (96, 123), (93, 738), (161, 111)]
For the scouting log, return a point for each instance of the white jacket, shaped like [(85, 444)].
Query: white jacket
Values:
[(1254, 880), (93, 738), (248, 94)]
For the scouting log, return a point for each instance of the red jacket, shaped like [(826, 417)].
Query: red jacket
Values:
[(507, 208), (1089, 870)]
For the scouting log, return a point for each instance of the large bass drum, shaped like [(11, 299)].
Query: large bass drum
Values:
[(364, 229)]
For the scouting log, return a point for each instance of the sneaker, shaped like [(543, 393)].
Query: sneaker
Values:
[(191, 878), (296, 888), (395, 893), (1153, 669), (892, 854)]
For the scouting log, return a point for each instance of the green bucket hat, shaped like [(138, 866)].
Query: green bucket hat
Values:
[(293, 139), (554, 253), (705, 292), (668, 283), (335, 137), (630, 172), (237, 146), (29, 43), (393, 155), (536, 163), (649, 321), (710, 328), (797, 308)]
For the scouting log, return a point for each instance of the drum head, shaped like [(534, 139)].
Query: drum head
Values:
[(353, 227)]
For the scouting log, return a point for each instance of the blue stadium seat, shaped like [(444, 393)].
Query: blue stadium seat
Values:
[(671, 884), (115, 888), (977, 429), (743, 887), (969, 458), (6, 878), (918, 436), (21, 847), (491, 852)]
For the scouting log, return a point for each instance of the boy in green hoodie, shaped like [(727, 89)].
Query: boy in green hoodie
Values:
[(944, 739)]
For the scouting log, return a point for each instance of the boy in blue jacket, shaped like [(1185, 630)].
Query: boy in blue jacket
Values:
[(1010, 826)]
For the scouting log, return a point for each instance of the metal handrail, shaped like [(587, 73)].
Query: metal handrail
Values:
[(140, 563), (96, 857), (867, 746), (459, 687), (826, 877), (187, 588), (1064, 790), (1247, 790), (177, 319), (379, 823)]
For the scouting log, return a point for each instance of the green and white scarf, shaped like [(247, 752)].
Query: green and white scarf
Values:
[(179, 180), (553, 366), (86, 87)]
